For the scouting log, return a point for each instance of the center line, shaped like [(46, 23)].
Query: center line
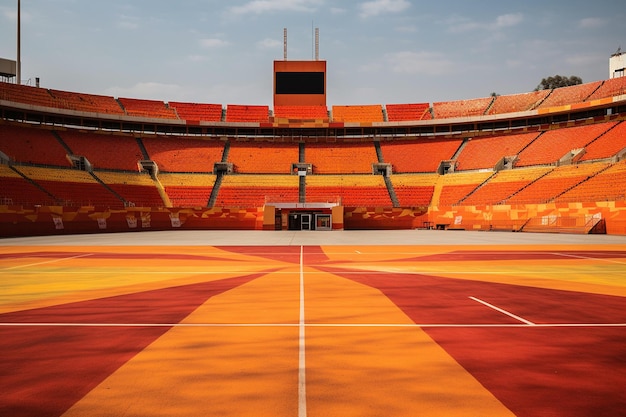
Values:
[(301, 347), (523, 320)]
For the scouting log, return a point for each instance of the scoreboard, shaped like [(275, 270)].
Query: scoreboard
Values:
[(299, 83)]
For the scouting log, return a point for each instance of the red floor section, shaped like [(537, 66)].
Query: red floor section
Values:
[(47, 369), (539, 372), (569, 372)]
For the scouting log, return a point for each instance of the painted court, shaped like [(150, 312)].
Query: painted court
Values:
[(385, 323)]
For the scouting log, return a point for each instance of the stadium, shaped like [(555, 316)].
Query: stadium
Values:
[(549, 160), (446, 258)]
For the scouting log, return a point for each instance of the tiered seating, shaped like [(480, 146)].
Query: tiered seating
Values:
[(408, 112), (244, 113), (569, 95), (197, 111), (420, 155), (461, 108), (147, 108), (353, 190), (15, 190), (609, 185), (32, 146), (555, 182), (485, 152), (255, 190), (263, 157), (86, 102), (503, 185), (26, 94), (175, 154), (517, 102), (610, 88), (301, 112), (73, 187), (188, 190), (414, 190), (457, 186), (136, 188), (607, 145), (104, 151), (554, 144), (345, 158), (358, 113)]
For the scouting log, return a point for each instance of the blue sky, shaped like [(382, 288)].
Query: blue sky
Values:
[(377, 51)]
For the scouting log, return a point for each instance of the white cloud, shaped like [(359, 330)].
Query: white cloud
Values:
[(409, 62), (269, 43), (197, 58), (591, 23), (264, 6), (377, 7), (146, 90), (213, 43), (128, 22), (461, 24), (508, 20), (337, 10), (10, 13), (584, 60), (406, 29)]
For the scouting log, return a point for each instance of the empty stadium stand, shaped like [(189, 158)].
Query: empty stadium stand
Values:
[(351, 190), (262, 157), (188, 190), (517, 102), (301, 112), (461, 108), (408, 112), (552, 145), (485, 152), (97, 148), (197, 111), (86, 102), (610, 88), (419, 155), (147, 108), (247, 113), (555, 182), (255, 190), (562, 150), (349, 158), (569, 95), (358, 113), (32, 145), (181, 154), (414, 190), (607, 145), (605, 185), (504, 184)]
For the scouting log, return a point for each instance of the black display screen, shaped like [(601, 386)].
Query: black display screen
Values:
[(299, 83)]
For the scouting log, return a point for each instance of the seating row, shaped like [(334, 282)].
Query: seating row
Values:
[(340, 113)]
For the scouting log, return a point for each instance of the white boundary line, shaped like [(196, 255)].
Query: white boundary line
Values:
[(587, 257), (318, 325), (523, 320), (48, 262), (301, 345)]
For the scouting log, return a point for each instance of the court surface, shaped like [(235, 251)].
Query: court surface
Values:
[(385, 323)]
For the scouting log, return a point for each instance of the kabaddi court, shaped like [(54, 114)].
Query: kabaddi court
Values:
[(342, 323)]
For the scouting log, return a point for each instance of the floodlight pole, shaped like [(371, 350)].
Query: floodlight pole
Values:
[(19, 46)]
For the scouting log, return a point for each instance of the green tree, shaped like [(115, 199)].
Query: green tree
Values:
[(558, 81)]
